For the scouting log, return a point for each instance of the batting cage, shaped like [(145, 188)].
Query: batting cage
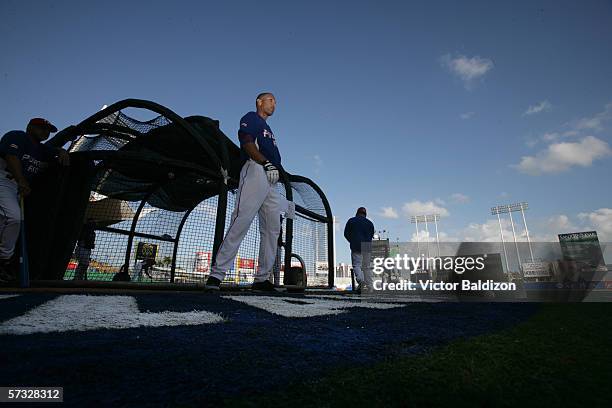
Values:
[(148, 197)]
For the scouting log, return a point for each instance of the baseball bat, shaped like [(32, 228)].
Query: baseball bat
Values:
[(24, 270)]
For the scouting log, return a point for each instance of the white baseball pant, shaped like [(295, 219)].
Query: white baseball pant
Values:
[(255, 196), (10, 217), (362, 267)]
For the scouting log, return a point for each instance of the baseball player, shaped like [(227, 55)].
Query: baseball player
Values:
[(257, 194), (22, 157), (359, 232)]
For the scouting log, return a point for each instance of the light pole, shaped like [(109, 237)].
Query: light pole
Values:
[(509, 209), (523, 207), (436, 217), (415, 221), (427, 236), (426, 218), (494, 211)]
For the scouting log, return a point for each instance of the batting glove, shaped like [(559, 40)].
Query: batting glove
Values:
[(271, 172)]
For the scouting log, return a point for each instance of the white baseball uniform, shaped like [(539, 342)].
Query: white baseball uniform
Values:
[(256, 195)]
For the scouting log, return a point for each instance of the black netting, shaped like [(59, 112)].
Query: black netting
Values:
[(120, 119), (307, 197), (112, 183), (134, 158), (116, 130), (156, 221), (195, 246), (105, 260), (310, 242), (173, 166)]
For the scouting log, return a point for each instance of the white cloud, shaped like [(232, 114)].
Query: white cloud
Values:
[(466, 68), (550, 137), (425, 236), (560, 157), (439, 201), (601, 221), (543, 106), (467, 115), (490, 232), (589, 123), (487, 232), (417, 207), (595, 122), (318, 162), (460, 198), (573, 128), (560, 224), (388, 212)]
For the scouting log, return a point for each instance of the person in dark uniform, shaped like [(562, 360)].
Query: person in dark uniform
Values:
[(359, 232), (23, 157)]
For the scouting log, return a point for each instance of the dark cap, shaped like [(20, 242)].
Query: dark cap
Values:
[(44, 123), (362, 210)]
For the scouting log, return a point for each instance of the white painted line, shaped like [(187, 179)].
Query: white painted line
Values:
[(83, 312), (8, 296), (306, 307), (387, 298)]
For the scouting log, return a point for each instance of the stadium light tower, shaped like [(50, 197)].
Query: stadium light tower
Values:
[(524, 206), (415, 221), (496, 211), (427, 218), (509, 209)]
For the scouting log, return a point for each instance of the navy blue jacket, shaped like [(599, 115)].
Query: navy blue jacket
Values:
[(357, 230)]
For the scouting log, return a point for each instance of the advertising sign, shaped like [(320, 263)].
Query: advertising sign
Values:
[(536, 269), (582, 248), (202, 261), (145, 250)]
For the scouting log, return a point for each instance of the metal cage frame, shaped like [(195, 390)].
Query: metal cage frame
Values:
[(217, 173)]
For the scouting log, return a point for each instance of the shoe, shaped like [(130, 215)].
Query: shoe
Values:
[(363, 288), (265, 286), (359, 287), (212, 283)]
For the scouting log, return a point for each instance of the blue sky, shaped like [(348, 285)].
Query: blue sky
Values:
[(451, 107)]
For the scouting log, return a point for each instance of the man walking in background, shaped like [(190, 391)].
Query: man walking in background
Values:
[(359, 232)]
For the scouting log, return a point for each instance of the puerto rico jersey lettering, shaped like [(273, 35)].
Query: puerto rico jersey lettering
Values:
[(34, 157), (254, 129)]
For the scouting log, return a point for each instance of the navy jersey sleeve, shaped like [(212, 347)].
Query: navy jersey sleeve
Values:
[(248, 129), (12, 143), (49, 151)]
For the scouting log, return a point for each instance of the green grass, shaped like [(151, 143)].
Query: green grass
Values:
[(560, 357)]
